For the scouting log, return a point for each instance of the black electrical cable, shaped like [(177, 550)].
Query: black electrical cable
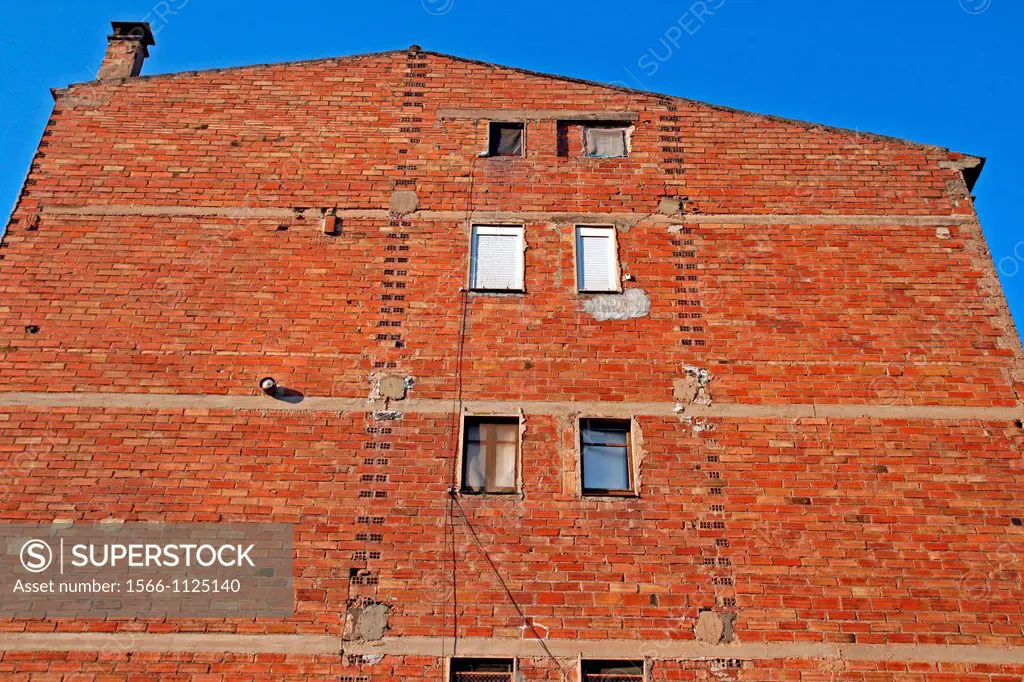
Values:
[(453, 432), (504, 585)]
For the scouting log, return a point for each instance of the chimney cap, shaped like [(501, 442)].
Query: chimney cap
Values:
[(133, 30)]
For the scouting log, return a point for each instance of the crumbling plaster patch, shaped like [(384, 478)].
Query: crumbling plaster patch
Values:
[(388, 387), (631, 303), (715, 628), (404, 202), (693, 388), (366, 624)]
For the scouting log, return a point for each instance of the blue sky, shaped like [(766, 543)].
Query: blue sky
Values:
[(945, 72)]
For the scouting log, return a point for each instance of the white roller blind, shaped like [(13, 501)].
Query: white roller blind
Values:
[(595, 258), (497, 259)]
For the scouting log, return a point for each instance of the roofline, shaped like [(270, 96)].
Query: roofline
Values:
[(568, 79)]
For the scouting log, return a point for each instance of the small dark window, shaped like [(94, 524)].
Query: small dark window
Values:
[(613, 671), (606, 142), (607, 461), (506, 139), (490, 453), (482, 670)]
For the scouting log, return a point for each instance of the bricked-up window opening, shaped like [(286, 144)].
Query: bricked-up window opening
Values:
[(606, 142), (481, 670), (613, 671), (506, 138), (596, 264), (496, 258), (490, 453), (606, 457)]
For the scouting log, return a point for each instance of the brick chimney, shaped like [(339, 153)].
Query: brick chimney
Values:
[(127, 48)]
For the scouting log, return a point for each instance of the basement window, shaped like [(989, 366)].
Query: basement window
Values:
[(613, 671), (482, 669), (490, 455), (605, 141), (496, 258), (597, 268), (606, 456), (505, 138)]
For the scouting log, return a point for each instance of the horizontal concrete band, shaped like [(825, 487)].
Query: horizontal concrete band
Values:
[(623, 218), (427, 406), (538, 114), (525, 648)]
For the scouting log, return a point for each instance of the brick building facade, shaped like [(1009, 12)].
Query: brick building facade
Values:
[(806, 349)]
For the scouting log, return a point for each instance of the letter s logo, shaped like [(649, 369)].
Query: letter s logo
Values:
[(36, 556)]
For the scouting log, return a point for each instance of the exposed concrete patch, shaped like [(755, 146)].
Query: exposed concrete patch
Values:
[(393, 387), (372, 659), (403, 202), (698, 424), (710, 628), (366, 624), (729, 633), (388, 387), (671, 205), (942, 232), (694, 388), (630, 304)]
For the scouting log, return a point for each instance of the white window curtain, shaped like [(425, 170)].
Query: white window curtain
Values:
[(595, 259), (606, 143), (497, 258)]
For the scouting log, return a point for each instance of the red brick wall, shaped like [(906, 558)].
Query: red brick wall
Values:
[(842, 530)]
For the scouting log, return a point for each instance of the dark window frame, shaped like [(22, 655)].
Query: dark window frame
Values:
[(494, 138), (587, 675), (491, 462), (627, 424)]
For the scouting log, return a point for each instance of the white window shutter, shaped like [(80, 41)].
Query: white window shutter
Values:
[(595, 257), (497, 258)]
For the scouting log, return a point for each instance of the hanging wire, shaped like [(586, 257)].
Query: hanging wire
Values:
[(504, 586), (453, 446)]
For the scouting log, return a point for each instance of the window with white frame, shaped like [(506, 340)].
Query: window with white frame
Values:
[(496, 259), (597, 268)]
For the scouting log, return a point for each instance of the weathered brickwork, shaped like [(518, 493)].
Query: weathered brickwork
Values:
[(170, 242)]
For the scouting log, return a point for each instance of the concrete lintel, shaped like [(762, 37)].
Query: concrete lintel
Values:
[(475, 646), (159, 401), (538, 114), (624, 218), (136, 641), (182, 211), (693, 650)]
